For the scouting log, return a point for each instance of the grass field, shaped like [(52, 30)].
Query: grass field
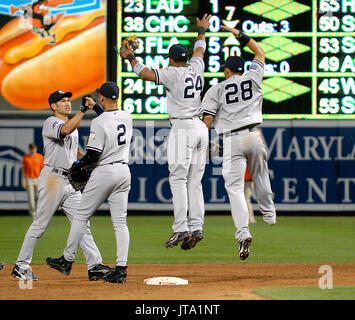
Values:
[(307, 293), (291, 240)]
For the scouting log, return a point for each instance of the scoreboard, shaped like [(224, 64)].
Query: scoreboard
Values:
[(309, 51)]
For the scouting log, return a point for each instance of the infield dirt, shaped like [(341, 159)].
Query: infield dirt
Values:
[(206, 281)]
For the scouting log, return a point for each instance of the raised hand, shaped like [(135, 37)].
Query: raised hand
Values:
[(204, 22)]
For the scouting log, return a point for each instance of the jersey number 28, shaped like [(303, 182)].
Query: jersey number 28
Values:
[(232, 91)]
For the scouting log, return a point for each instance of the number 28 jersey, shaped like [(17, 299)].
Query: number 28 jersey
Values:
[(237, 101), (111, 134), (183, 87)]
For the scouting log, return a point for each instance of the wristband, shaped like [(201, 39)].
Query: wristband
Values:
[(83, 109), (201, 30), (138, 68), (243, 37), (131, 57), (200, 44), (98, 109)]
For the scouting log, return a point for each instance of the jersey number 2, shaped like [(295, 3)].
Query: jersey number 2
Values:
[(246, 91), (121, 134), (188, 92)]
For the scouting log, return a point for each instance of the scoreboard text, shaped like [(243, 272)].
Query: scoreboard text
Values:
[(309, 50)]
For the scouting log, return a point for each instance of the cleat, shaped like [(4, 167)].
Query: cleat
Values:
[(176, 238), (189, 243), (244, 248), (99, 271), (24, 274), (60, 264), (117, 275)]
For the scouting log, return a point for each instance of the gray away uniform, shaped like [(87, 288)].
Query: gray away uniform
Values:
[(236, 103), (111, 134), (187, 142), (55, 190)]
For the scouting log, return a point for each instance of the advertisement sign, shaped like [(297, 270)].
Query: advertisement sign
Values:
[(48, 45), (311, 165)]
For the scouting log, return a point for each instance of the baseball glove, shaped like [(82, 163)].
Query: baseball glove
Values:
[(79, 174), (131, 43)]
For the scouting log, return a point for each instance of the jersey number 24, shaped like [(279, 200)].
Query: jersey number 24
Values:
[(189, 89)]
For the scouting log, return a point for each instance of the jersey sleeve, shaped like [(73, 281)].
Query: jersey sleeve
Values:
[(167, 77), (198, 64), (256, 71), (210, 103), (96, 139), (52, 127)]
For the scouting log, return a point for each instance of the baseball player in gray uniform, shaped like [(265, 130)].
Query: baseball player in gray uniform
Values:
[(108, 147), (235, 107), (61, 149), (188, 137)]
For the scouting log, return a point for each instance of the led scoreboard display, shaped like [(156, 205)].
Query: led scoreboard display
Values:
[(309, 49)]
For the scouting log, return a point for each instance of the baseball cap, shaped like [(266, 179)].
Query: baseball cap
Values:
[(234, 63), (177, 52), (58, 95), (109, 90)]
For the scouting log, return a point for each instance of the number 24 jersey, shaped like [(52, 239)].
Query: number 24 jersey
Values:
[(237, 101), (183, 87)]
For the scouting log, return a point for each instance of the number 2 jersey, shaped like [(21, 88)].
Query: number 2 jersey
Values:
[(111, 133), (237, 101), (183, 87)]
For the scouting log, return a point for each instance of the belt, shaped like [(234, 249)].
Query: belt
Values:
[(190, 118), (105, 164), (251, 128), (60, 171)]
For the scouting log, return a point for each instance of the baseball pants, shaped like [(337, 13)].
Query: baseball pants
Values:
[(237, 150), (111, 182), (32, 193), (54, 191), (187, 151)]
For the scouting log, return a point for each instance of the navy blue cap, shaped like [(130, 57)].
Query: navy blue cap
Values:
[(234, 64), (177, 52), (109, 90), (58, 95)]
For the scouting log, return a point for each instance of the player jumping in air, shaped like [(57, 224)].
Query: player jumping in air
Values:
[(188, 137), (234, 105)]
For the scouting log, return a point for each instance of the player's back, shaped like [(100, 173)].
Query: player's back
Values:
[(183, 87), (111, 134), (239, 99)]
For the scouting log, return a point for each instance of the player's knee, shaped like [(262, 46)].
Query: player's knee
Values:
[(174, 179)]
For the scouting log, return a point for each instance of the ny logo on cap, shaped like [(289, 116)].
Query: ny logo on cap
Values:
[(60, 91)]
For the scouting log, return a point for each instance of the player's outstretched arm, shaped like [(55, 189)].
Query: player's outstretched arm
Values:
[(251, 43), (200, 44), (73, 123), (140, 69)]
